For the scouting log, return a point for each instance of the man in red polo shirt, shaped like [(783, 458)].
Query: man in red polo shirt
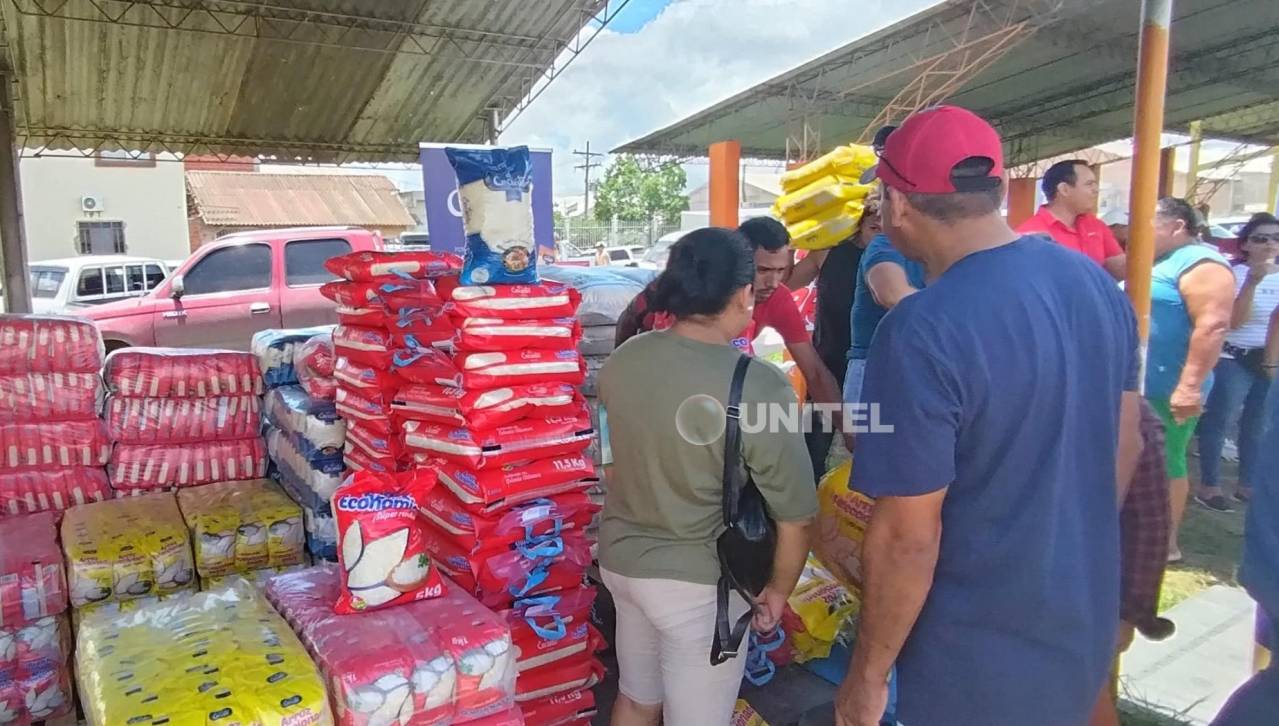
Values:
[(1069, 216)]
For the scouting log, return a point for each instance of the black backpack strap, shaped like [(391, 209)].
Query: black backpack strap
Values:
[(729, 636)]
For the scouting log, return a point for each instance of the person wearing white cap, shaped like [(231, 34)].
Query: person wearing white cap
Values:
[(1117, 221)]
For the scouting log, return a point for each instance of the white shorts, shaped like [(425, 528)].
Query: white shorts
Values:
[(663, 644), (853, 379)]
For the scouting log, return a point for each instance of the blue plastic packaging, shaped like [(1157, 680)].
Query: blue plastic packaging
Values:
[(496, 191)]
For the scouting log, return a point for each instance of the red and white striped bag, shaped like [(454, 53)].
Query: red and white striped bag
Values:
[(186, 465)]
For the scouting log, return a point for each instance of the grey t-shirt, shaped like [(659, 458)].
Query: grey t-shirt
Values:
[(662, 508)]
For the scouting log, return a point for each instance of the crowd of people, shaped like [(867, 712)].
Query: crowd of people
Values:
[(1029, 487)]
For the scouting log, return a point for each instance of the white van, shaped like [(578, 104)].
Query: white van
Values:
[(61, 286)]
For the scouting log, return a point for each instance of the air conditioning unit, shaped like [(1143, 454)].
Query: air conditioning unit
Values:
[(90, 203)]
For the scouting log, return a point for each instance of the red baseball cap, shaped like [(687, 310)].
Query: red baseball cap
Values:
[(921, 154)]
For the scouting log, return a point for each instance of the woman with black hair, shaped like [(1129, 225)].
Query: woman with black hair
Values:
[(1240, 382), (666, 393)]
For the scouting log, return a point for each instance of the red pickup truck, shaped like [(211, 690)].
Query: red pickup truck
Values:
[(228, 290)]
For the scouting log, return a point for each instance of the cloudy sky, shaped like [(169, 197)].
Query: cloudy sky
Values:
[(661, 60)]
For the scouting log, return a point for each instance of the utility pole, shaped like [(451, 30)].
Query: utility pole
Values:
[(586, 166)]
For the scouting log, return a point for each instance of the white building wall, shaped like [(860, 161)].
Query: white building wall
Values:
[(149, 200)]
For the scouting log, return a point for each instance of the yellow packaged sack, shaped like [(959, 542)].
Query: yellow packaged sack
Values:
[(823, 194), (126, 548), (216, 657), (828, 228), (745, 714), (257, 578), (842, 516), (825, 608), (849, 161), (242, 526)]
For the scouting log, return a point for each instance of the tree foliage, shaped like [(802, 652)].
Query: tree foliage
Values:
[(636, 190)]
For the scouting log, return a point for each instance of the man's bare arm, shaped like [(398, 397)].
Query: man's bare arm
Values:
[(822, 387), (888, 284), (805, 271)]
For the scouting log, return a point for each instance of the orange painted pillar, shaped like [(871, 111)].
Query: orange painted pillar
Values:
[(1167, 171), (726, 160), (1021, 201)]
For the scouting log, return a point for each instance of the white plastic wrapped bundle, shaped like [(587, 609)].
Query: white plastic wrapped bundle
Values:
[(277, 349), (217, 657), (292, 409), (606, 291), (438, 661)]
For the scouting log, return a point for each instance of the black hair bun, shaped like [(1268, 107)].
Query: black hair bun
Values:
[(706, 267)]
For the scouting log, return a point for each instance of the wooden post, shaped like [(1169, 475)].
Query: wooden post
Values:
[(725, 199), (1021, 201), (1192, 174), (13, 244), (1167, 172), (1272, 203)]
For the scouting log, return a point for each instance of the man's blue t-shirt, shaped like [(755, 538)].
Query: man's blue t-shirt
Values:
[(866, 312), (1170, 325), (1002, 381), (1259, 570)]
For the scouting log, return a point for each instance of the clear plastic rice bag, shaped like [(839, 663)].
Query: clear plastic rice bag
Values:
[(31, 573), (50, 397), (126, 548), (242, 526), (222, 656), (51, 489), (48, 344), (30, 445), (292, 409), (496, 190), (182, 420), (35, 675), (182, 373), (439, 661), (277, 350), (166, 466)]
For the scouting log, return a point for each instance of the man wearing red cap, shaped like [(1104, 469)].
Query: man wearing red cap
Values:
[(991, 561)]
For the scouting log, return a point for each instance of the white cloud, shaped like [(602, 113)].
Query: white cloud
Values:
[(695, 53)]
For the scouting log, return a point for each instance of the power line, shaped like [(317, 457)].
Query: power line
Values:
[(586, 166)]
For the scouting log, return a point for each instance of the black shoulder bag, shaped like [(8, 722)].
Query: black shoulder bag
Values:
[(749, 540)]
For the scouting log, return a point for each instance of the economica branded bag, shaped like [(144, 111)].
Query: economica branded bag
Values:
[(509, 302), (485, 409), (522, 440), (842, 518), (383, 552), (496, 334), (508, 368), (371, 265), (496, 191)]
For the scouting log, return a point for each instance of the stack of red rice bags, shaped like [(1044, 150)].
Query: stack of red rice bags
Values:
[(390, 320), (52, 443), (507, 436), (182, 418)]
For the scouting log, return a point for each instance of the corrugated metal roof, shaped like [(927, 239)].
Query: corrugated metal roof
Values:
[(1068, 87), (322, 80), (240, 199)]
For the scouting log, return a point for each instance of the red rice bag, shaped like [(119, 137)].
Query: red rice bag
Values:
[(537, 518), (32, 579), (182, 373), (485, 409), (500, 576), (391, 294), (313, 362), (497, 488), (356, 459), (368, 346), (186, 465), (496, 334), (364, 317), (482, 371), (422, 328), (575, 708), (48, 344), (372, 383), (182, 420), (560, 677), (49, 397), (510, 302), (371, 265), (54, 444), (56, 489), (369, 413), (510, 717), (547, 628), (522, 440), (381, 446), (382, 548), (426, 365)]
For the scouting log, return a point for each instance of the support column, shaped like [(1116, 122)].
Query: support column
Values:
[(1192, 175), (1271, 202), (725, 199), (1152, 84), (1167, 171), (1021, 201), (13, 245)]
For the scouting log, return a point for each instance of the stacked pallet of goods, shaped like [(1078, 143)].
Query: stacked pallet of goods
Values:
[(249, 529), (279, 353), (35, 635), (182, 418), (506, 431), (821, 202), (52, 442)]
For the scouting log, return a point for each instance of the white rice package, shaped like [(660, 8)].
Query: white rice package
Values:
[(496, 189)]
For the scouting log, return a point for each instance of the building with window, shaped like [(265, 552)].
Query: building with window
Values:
[(220, 203), (106, 204)]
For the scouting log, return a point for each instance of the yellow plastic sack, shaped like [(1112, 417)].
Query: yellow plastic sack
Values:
[(242, 526), (126, 548), (745, 714), (220, 657), (823, 194), (828, 228), (257, 578), (842, 516), (850, 161), (825, 607)]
